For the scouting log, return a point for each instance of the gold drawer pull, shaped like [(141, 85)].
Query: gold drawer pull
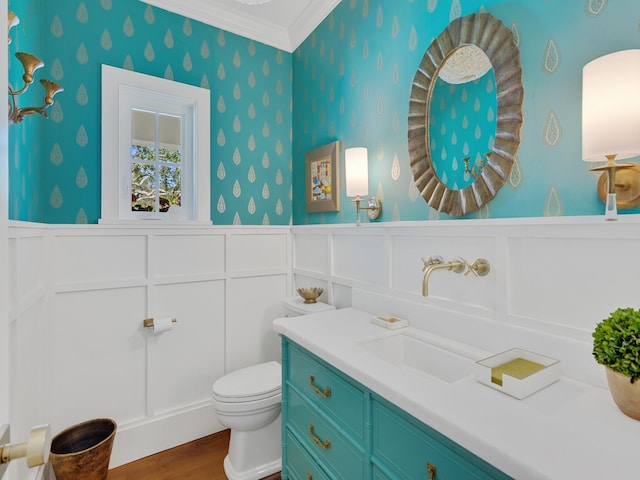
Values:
[(431, 470), (327, 443), (325, 394), (309, 476)]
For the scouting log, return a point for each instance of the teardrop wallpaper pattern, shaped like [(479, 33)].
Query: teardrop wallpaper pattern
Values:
[(353, 75), (56, 174), (348, 81)]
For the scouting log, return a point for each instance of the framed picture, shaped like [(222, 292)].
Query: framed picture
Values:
[(322, 180)]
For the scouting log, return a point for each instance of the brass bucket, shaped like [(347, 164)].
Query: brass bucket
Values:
[(83, 451)]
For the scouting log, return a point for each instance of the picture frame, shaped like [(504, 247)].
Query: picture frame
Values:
[(322, 178)]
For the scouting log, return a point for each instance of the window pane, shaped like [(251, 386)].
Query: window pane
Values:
[(143, 128), (143, 187), (169, 132), (170, 187), (170, 156), (141, 152)]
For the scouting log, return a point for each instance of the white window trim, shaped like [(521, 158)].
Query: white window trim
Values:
[(118, 87)]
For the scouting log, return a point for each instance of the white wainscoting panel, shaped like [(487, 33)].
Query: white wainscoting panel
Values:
[(28, 343), (584, 279), (253, 304), (30, 277), (184, 360), (341, 294), (312, 253), (247, 253), (551, 279), (80, 293), (361, 257), (192, 255), (79, 259), (98, 357), (29, 368)]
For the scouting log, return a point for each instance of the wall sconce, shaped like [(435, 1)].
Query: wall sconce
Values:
[(30, 63), (356, 165), (476, 168), (611, 126)]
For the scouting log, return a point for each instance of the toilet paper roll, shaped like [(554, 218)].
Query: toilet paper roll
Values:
[(162, 325)]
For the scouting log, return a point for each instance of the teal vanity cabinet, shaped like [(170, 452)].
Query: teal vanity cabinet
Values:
[(335, 428), (403, 447), (324, 414)]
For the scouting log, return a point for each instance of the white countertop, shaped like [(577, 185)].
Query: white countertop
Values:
[(568, 430)]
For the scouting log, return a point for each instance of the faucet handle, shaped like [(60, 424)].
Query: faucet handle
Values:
[(479, 268), (435, 260)]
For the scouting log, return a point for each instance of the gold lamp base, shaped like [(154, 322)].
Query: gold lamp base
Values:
[(373, 208), (627, 184)]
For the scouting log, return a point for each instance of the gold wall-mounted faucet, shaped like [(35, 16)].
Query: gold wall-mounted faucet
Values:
[(479, 268)]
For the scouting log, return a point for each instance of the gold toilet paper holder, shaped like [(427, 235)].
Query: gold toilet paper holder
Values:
[(148, 322)]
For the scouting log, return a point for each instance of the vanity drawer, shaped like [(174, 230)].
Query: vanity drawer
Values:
[(378, 474), (299, 464), (410, 449), (333, 450), (328, 390)]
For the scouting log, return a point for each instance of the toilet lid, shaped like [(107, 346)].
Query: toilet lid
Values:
[(250, 383)]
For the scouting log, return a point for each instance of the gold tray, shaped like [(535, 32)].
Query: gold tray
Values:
[(518, 372)]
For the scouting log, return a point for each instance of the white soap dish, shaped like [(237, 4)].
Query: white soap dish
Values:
[(389, 321), (518, 372)]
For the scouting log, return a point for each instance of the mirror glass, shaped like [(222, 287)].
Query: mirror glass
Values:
[(465, 122), (462, 122)]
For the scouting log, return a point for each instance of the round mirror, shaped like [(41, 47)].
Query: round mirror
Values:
[(465, 114)]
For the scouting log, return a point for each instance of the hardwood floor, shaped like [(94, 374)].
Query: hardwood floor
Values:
[(197, 460)]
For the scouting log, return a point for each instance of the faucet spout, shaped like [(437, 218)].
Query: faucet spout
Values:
[(436, 263)]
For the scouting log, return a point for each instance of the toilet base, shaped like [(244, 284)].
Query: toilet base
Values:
[(254, 454), (254, 474)]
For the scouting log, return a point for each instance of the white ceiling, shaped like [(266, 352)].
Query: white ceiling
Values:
[(283, 24)]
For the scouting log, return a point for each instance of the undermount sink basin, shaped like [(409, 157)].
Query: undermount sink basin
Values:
[(411, 352)]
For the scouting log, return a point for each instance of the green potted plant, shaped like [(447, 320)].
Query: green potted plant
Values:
[(616, 345)]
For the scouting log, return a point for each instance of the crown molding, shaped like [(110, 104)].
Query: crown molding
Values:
[(306, 23), (238, 21)]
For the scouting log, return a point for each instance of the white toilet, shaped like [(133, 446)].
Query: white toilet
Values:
[(248, 402)]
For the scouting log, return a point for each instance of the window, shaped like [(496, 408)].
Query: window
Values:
[(156, 165), (155, 149)]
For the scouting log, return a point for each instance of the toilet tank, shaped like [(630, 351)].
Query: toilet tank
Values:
[(295, 306)]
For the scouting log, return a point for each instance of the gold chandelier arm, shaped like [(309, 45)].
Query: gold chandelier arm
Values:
[(30, 63), (16, 115), (18, 92)]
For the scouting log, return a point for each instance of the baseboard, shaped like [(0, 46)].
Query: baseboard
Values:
[(141, 439)]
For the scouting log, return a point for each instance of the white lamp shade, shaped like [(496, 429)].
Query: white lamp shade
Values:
[(611, 106), (356, 165)]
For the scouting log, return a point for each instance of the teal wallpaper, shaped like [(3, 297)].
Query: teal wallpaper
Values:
[(349, 81), (352, 78), (55, 167)]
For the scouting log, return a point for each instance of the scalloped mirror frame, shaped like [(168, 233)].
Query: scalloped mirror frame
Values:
[(497, 42)]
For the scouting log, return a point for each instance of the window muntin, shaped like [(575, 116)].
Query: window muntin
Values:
[(155, 163)]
